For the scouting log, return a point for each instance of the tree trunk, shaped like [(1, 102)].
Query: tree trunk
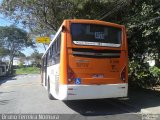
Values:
[(10, 67)]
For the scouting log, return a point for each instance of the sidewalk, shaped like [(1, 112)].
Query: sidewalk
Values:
[(151, 110)]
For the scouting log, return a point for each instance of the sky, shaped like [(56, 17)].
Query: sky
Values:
[(27, 51)]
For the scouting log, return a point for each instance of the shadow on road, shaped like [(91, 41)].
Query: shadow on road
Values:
[(138, 99), (4, 102), (6, 92), (5, 79), (94, 107), (142, 98)]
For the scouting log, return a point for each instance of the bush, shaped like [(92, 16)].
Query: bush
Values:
[(20, 65), (142, 75), (155, 71)]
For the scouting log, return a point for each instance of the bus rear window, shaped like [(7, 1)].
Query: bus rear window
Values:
[(92, 34)]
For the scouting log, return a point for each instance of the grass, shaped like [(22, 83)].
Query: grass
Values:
[(28, 70)]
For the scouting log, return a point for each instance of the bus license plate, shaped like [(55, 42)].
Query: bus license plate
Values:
[(97, 76)]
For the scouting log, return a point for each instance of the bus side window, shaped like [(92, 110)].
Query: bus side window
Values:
[(50, 56), (47, 59), (43, 63), (59, 44), (58, 49), (42, 66), (53, 54)]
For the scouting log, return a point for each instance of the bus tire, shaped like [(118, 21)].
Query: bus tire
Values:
[(49, 93)]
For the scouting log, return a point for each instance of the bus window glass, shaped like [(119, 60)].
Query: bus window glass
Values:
[(58, 43), (95, 33)]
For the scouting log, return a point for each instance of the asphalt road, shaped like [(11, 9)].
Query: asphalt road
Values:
[(24, 94)]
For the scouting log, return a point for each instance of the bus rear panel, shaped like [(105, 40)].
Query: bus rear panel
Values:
[(96, 60)]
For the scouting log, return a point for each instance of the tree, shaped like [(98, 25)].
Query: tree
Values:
[(142, 21), (3, 52), (40, 16), (14, 40), (43, 17), (36, 58), (22, 58)]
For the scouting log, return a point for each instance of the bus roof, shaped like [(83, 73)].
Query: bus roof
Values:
[(94, 22)]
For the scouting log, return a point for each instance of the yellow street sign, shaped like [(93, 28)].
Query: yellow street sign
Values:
[(43, 40)]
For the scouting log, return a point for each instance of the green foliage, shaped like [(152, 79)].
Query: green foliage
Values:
[(3, 52), (142, 21), (155, 71), (41, 17), (36, 58), (14, 40), (20, 65), (45, 17), (141, 75), (28, 70)]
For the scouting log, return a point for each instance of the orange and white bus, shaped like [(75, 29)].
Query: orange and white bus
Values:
[(87, 59)]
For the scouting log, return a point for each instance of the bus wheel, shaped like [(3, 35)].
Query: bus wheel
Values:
[(49, 93)]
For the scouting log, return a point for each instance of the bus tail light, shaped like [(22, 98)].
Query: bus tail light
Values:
[(70, 75), (123, 74)]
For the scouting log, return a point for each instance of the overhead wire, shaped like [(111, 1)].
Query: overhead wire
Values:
[(103, 11), (119, 5)]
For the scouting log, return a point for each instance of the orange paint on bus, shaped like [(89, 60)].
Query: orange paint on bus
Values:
[(109, 68)]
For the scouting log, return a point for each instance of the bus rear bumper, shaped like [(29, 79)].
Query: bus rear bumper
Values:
[(77, 92)]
